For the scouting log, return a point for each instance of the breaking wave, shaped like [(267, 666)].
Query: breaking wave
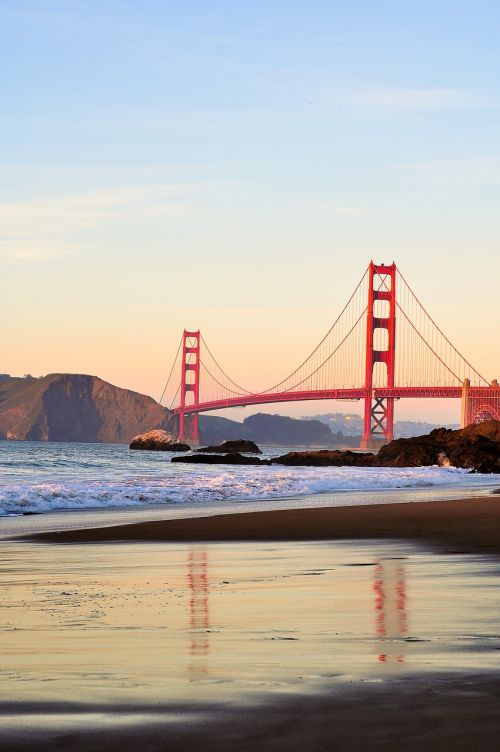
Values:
[(174, 484)]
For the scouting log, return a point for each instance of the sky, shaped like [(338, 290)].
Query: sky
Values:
[(233, 167)]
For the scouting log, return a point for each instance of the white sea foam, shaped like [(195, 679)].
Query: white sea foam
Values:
[(173, 484)]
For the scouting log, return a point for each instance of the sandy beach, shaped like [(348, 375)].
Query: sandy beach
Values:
[(257, 631), (469, 524)]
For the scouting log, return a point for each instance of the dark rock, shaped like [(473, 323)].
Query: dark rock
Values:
[(158, 441), (230, 447), (473, 448), (414, 452), (234, 458), (326, 458), (488, 428)]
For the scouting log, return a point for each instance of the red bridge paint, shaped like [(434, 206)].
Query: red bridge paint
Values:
[(422, 351)]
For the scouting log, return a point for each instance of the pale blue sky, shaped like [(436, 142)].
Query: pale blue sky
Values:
[(234, 166)]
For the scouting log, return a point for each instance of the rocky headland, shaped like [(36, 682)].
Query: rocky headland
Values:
[(76, 407)]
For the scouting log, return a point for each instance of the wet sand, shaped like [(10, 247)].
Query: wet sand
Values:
[(316, 629), (470, 524), (436, 714)]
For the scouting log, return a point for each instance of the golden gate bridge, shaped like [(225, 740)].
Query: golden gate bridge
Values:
[(382, 347)]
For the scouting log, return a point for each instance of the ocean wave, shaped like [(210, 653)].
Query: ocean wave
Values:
[(215, 484)]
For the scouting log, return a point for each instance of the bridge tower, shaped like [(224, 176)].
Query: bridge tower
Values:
[(380, 348), (190, 385)]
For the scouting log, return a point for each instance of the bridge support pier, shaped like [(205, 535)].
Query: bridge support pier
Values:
[(381, 315), (190, 386)]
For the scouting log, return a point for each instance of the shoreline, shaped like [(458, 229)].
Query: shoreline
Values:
[(472, 524)]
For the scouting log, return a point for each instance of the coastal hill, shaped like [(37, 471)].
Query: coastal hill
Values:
[(271, 429), (78, 407)]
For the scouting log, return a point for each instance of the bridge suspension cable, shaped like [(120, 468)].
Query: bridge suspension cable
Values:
[(424, 354), (239, 389), (171, 373), (320, 370)]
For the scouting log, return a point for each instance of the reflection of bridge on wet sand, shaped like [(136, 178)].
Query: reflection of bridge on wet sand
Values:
[(198, 611), (391, 623), (390, 604)]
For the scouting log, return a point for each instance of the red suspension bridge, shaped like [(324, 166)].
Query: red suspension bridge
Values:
[(382, 347)]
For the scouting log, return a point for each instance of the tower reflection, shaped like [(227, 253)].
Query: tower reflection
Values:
[(198, 612), (391, 622)]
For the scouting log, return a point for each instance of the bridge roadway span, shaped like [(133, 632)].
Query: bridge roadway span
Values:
[(395, 392)]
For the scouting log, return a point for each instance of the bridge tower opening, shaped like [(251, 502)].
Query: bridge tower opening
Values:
[(190, 386), (380, 349)]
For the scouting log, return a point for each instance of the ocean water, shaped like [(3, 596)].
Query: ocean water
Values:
[(40, 477)]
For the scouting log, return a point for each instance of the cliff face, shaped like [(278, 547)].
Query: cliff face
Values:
[(75, 407)]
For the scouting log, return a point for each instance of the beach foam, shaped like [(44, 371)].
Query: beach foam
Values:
[(174, 485)]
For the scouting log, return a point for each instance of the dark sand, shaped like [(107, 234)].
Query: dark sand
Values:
[(468, 525), (428, 714)]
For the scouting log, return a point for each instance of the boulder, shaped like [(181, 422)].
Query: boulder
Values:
[(234, 458), (230, 447), (474, 448), (159, 441), (326, 458)]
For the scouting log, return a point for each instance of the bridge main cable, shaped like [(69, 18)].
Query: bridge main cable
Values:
[(276, 386)]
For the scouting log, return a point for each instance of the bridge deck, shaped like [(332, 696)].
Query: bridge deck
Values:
[(400, 392)]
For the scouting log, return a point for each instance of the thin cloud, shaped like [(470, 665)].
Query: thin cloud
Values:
[(34, 250), (453, 173), (414, 99), (88, 209), (339, 210), (44, 229)]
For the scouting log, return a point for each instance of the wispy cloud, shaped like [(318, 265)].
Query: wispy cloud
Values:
[(415, 99), (339, 210), (91, 207), (31, 249), (48, 228), (452, 174)]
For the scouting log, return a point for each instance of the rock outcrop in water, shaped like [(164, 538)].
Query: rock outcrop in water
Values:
[(326, 458), (158, 441), (474, 448), (234, 458), (230, 447)]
